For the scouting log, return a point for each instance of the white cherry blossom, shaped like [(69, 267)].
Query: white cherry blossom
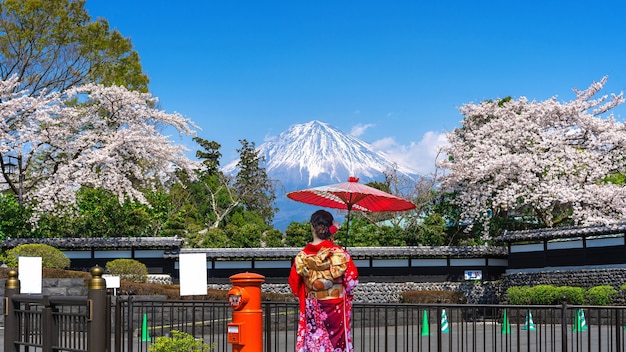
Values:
[(92, 135), (510, 154)]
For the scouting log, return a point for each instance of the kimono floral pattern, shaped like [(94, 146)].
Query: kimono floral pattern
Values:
[(324, 324)]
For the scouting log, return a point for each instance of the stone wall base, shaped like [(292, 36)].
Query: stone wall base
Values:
[(486, 292)]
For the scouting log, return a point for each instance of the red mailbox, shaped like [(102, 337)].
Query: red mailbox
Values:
[(245, 332)]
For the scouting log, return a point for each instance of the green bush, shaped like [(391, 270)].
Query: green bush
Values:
[(600, 295), (50, 257), (573, 295), (623, 287), (128, 269), (547, 294), (519, 295), (179, 342), (544, 294)]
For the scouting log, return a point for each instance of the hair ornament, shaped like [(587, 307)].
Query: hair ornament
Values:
[(332, 229)]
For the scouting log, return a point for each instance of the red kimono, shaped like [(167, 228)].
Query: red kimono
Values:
[(323, 277)]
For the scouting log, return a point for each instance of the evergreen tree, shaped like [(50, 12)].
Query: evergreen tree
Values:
[(210, 156), (252, 185)]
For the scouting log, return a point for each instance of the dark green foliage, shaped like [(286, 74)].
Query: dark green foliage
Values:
[(298, 234), (50, 256), (252, 185), (432, 231), (243, 230), (272, 238), (128, 269), (13, 218), (215, 238), (361, 232), (54, 45), (393, 236), (210, 156), (244, 236), (102, 215)]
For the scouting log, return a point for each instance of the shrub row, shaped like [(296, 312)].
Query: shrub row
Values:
[(547, 294), (52, 258)]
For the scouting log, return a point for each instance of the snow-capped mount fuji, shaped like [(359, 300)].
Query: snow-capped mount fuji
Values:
[(316, 153), (313, 154)]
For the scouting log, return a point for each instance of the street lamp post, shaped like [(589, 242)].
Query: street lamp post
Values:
[(11, 168)]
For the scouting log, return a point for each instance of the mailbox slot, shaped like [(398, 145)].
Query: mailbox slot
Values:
[(235, 333)]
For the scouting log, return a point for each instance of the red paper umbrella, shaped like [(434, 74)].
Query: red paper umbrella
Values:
[(351, 196)]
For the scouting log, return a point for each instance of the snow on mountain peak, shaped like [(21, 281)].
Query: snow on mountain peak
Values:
[(315, 152)]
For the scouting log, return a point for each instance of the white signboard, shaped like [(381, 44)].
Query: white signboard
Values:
[(29, 274), (112, 281), (193, 274), (473, 274)]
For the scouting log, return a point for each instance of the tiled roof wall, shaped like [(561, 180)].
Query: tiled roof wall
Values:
[(175, 244), (562, 232), (112, 243), (413, 251)]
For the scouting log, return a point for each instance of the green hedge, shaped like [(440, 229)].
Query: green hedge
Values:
[(600, 295), (128, 269), (50, 257), (550, 295)]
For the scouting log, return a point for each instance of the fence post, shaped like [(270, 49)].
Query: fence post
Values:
[(438, 319), (564, 324), (97, 305), (11, 287), (618, 327), (118, 324), (267, 308), (49, 332)]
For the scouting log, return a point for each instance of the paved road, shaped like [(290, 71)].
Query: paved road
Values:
[(487, 338)]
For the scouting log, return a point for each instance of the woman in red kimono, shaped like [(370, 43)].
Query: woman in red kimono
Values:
[(323, 277)]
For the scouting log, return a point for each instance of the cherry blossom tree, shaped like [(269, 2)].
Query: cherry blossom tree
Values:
[(544, 156), (91, 135)]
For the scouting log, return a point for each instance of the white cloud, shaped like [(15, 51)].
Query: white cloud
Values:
[(419, 156), (269, 138), (359, 129)]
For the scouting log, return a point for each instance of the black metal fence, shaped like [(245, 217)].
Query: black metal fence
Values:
[(129, 324), (57, 323), (390, 327)]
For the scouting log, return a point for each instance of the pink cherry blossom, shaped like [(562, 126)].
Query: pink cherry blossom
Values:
[(92, 135), (510, 154)]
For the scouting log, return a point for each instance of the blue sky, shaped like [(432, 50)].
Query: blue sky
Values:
[(391, 72)]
